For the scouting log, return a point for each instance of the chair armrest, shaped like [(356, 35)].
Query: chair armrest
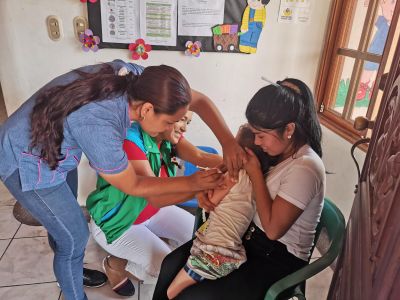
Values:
[(299, 276)]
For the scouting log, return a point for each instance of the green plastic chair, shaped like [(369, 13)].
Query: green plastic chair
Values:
[(331, 228)]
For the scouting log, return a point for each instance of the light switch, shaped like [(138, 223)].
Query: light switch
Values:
[(54, 28), (80, 24)]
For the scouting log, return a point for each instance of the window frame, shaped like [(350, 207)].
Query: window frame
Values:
[(338, 32)]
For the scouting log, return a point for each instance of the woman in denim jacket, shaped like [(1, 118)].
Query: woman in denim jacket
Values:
[(88, 111)]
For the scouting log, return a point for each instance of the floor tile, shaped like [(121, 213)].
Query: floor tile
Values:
[(44, 291), (5, 197), (27, 261), (26, 231), (318, 286), (94, 255), (3, 246), (146, 291), (93, 258), (105, 292), (8, 224)]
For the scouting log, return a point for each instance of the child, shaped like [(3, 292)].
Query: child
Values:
[(217, 249)]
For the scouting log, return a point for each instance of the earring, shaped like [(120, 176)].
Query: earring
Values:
[(289, 137), (142, 118)]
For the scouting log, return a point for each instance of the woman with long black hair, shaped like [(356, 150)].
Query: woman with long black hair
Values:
[(289, 198), (88, 111)]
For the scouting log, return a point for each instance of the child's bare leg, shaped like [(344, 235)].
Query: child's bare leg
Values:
[(180, 282)]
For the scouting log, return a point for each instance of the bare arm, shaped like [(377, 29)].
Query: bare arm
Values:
[(132, 184), (234, 155), (276, 215), (142, 167), (194, 155), (218, 195)]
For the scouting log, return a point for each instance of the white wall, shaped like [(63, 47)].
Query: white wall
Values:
[(29, 59)]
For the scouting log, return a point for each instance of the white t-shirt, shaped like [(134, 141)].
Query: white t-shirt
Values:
[(299, 180)]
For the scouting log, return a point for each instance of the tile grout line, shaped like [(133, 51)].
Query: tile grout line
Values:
[(5, 250), (29, 237), (26, 284)]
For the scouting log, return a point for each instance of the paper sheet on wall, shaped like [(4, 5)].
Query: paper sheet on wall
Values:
[(195, 18), (158, 22), (294, 11), (120, 20), (124, 21)]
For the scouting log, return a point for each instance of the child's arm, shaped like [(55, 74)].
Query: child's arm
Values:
[(217, 195)]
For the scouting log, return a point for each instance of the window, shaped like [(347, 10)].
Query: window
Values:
[(360, 42)]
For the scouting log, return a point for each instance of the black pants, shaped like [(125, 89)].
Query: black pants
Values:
[(267, 262)]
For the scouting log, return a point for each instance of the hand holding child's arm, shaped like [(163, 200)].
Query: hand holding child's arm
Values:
[(217, 195)]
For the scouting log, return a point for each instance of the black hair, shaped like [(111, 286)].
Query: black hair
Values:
[(275, 106), (163, 86)]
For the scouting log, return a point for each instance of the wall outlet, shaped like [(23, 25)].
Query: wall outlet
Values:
[(80, 24), (54, 28)]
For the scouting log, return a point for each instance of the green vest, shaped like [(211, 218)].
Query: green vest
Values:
[(111, 209)]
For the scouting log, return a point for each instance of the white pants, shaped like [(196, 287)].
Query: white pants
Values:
[(141, 244)]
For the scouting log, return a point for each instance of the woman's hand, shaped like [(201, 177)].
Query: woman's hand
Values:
[(252, 166), (203, 199), (234, 158), (207, 179)]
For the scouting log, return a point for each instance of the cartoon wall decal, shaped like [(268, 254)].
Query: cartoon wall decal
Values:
[(89, 41), (139, 49), (225, 37), (193, 49), (252, 24)]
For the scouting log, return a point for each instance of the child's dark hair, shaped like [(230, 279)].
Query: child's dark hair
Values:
[(291, 101), (245, 138)]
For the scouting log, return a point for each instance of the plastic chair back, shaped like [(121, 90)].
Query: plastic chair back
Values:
[(189, 169), (331, 230)]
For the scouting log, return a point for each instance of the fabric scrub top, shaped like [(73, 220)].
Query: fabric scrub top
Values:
[(97, 129)]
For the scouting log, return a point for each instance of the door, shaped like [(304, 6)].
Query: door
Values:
[(369, 265)]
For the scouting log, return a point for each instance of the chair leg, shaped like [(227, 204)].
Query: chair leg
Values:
[(140, 282)]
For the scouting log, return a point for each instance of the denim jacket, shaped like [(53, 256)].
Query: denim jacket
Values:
[(97, 129)]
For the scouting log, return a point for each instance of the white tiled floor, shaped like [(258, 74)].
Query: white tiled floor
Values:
[(26, 264)]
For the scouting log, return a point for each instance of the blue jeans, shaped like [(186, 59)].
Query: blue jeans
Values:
[(59, 212), (250, 37)]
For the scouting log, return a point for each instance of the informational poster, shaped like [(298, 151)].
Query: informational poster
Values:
[(195, 18), (124, 21), (171, 24), (158, 22), (294, 11), (120, 20)]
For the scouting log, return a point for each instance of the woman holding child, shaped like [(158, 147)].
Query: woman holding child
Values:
[(289, 198)]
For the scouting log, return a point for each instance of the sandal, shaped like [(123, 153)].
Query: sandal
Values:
[(125, 287)]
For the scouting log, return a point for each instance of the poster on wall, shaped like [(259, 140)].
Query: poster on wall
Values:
[(233, 26), (198, 17), (294, 11), (123, 21)]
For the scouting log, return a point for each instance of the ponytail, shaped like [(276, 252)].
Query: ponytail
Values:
[(307, 123), (162, 86)]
